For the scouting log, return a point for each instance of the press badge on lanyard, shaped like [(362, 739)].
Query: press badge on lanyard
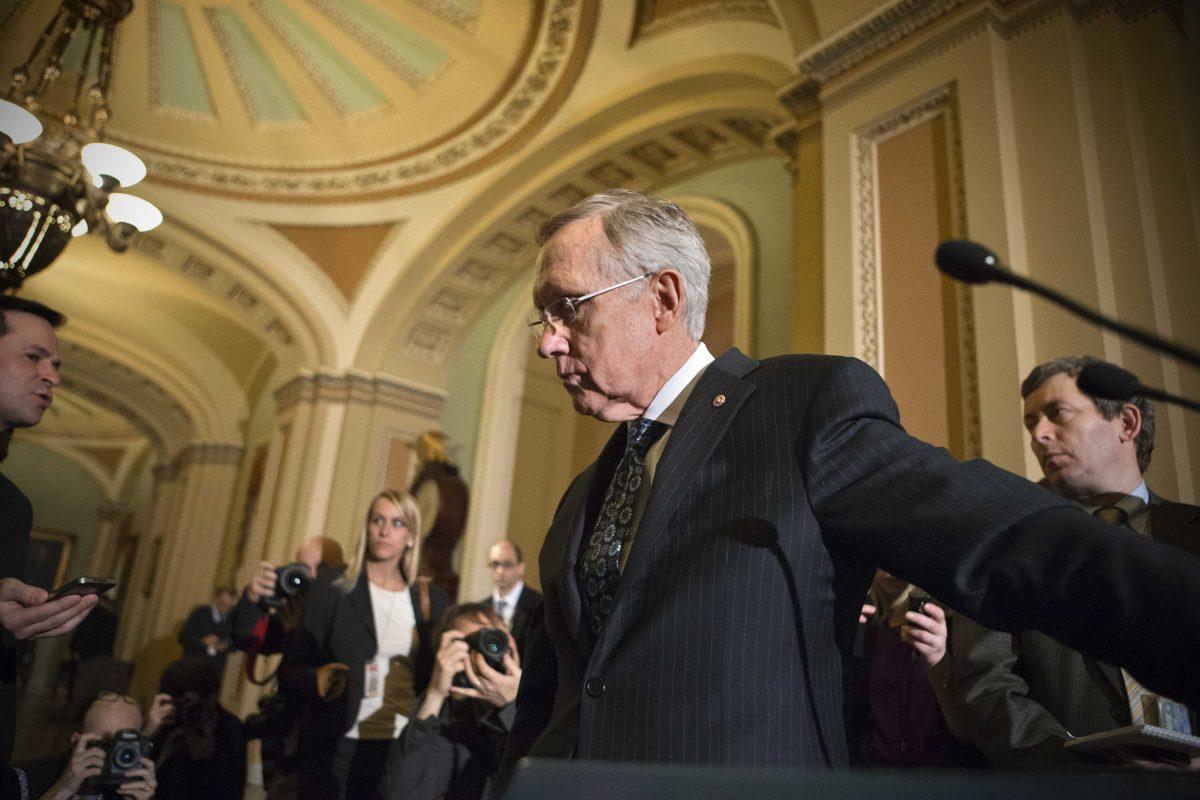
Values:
[(373, 683)]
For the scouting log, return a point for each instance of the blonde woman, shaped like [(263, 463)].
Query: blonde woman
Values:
[(364, 652)]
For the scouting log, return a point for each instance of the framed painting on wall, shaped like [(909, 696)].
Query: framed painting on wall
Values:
[(47, 558)]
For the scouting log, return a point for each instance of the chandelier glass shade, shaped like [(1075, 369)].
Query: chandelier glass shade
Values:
[(57, 177)]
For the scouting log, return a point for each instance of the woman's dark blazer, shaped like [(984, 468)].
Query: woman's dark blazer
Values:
[(341, 627)]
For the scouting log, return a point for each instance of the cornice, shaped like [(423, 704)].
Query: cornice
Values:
[(360, 387), (857, 43)]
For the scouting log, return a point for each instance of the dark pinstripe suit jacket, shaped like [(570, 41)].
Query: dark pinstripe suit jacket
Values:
[(735, 615), (1020, 694)]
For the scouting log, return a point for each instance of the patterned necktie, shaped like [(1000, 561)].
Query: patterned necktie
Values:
[(599, 569), (1135, 693)]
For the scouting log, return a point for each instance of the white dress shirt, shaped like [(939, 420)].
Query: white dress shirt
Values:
[(510, 602)]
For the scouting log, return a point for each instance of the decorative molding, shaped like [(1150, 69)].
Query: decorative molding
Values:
[(128, 393), (504, 249), (549, 69), (869, 346), (360, 387), (857, 43), (258, 315), (649, 23), (941, 102), (195, 454)]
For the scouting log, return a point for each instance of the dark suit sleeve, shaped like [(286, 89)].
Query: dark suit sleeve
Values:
[(992, 701), (535, 698), (305, 648), (993, 545), (195, 628)]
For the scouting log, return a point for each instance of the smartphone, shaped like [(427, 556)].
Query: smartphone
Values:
[(83, 586)]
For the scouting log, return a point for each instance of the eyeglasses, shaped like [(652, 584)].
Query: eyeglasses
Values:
[(501, 564), (565, 310)]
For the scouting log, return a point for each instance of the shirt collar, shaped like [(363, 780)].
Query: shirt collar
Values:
[(664, 407), (511, 597), (1141, 491)]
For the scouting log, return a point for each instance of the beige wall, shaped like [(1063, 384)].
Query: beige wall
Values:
[(1078, 168)]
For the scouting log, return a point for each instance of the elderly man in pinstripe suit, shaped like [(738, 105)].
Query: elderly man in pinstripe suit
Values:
[(704, 575)]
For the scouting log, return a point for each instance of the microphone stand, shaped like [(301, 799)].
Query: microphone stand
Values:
[(1128, 331)]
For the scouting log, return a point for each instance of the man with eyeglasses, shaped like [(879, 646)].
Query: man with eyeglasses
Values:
[(511, 598), (704, 576), (71, 776)]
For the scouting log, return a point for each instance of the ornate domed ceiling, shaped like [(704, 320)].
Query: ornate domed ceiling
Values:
[(324, 99)]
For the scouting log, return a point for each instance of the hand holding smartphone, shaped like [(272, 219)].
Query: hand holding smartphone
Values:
[(83, 586)]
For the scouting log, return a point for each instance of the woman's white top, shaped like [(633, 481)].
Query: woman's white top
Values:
[(395, 632)]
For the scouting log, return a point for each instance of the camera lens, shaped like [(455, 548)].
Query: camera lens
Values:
[(125, 756)]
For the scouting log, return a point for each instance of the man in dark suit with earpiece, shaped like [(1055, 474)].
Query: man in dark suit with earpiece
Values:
[(704, 576)]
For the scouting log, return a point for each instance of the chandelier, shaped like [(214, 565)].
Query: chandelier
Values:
[(57, 178)]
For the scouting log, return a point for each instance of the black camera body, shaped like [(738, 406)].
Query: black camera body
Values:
[(492, 644), (123, 753), (290, 580)]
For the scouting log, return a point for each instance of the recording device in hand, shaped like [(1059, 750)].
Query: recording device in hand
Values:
[(916, 602), (123, 753), (83, 586), (492, 644), (290, 580)]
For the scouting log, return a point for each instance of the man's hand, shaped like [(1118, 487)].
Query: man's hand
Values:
[(495, 688), (451, 659), (214, 643), (86, 762), (926, 631), (867, 612), (331, 680), (141, 782), (263, 583), (162, 711), (27, 612)]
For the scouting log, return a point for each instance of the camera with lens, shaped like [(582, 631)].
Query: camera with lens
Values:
[(290, 580), (492, 643), (123, 753)]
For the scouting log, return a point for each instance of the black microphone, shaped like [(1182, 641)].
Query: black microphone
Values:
[(970, 262), (1113, 383)]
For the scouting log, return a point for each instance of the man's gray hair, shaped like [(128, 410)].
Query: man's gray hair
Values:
[(645, 234), (1071, 366)]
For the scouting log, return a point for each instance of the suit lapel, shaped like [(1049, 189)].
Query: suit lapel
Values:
[(700, 427), (360, 601), (1175, 524)]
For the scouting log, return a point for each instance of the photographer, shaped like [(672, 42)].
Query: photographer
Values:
[(200, 748), (107, 758), (453, 744), (275, 595)]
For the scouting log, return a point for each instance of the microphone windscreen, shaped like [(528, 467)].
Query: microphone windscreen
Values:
[(966, 261), (1108, 381)]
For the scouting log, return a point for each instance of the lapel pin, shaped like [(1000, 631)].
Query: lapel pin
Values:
[(718, 401)]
